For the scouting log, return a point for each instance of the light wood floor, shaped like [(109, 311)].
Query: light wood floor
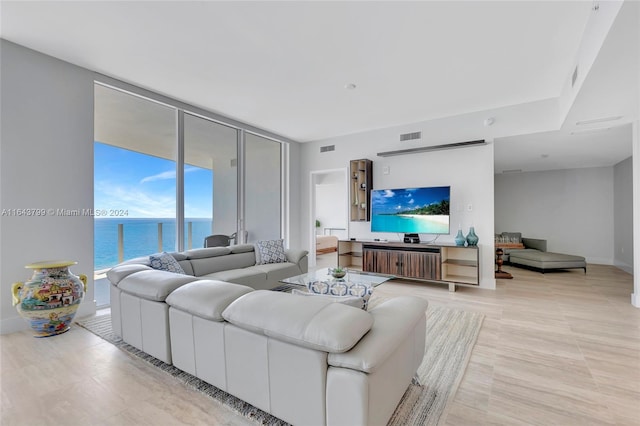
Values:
[(555, 349)]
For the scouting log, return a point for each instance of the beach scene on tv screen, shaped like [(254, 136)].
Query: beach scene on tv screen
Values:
[(410, 210)]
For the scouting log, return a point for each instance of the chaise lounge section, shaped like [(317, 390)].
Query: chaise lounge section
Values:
[(535, 256)]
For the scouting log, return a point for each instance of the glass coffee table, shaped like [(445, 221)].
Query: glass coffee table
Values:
[(352, 276)]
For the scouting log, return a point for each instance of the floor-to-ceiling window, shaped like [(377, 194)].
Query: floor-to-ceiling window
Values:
[(157, 164), (210, 179), (263, 188)]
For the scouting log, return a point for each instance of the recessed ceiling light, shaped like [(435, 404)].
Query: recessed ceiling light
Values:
[(350, 86), (598, 120)]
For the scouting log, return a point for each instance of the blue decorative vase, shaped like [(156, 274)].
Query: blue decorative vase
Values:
[(472, 238), (460, 240)]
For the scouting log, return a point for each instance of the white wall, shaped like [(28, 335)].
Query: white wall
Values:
[(571, 209), (47, 162), (623, 215), (468, 171)]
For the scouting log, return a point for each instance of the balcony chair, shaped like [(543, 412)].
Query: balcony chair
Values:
[(220, 240)]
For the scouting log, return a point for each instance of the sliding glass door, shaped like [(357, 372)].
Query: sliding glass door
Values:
[(210, 180), (263, 188), (168, 177)]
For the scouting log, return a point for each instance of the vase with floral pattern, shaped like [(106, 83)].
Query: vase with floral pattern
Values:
[(49, 301)]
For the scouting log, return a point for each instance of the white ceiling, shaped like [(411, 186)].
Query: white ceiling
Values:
[(282, 66)]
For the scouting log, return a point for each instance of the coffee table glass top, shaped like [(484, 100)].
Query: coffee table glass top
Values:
[(353, 276)]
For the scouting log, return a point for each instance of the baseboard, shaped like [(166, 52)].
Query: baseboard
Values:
[(599, 261), (621, 265)]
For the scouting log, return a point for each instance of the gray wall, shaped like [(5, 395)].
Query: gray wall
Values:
[(46, 163), (572, 209), (623, 214)]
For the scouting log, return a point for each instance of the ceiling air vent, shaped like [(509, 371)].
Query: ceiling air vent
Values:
[(327, 148), (433, 148), (410, 136)]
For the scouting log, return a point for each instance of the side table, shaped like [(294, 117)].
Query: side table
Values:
[(499, 253)]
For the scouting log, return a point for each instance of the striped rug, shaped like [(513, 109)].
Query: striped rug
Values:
[(450, 337)]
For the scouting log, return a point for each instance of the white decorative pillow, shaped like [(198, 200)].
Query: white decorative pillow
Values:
[(270, 251), (165, 262), (341, 288), (356, 302)]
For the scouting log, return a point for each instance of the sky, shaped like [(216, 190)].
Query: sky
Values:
[(146, 185), (395, 200)]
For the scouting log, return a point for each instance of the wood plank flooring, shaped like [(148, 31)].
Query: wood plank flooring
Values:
[(560, 348)]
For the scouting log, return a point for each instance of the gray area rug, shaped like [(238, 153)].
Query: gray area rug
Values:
[(450, 337)]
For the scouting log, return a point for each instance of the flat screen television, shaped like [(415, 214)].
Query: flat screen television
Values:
[(411, 210)]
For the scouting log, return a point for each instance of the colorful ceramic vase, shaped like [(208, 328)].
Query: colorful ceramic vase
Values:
[(460, 240), (472, 238), (49, 301)]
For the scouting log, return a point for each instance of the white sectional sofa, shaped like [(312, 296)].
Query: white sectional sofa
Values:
[(139, 313), (305, 360)]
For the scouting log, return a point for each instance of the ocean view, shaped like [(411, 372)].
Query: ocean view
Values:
[(141, 237)]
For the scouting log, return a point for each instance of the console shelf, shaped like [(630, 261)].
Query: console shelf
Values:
[(361, 172), (446, 264)]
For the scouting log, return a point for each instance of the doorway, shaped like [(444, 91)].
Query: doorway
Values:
[(329, 215)]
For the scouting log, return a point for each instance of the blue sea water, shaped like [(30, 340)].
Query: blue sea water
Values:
[(404, 224), (141, 237)]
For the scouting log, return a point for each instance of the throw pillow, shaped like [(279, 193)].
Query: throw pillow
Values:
[(356, 302), (165, 262), (270, 251)]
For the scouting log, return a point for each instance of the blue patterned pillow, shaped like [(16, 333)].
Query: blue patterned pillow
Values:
[(270, 251), (165, 262)]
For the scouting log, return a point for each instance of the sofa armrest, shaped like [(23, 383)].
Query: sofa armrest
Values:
[(395, 321), (119, 272), (535, 243), (298, 257)]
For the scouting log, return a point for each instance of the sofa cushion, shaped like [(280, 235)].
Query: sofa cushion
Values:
[(355, 301), (208, 265), (153, 284), (165, 262), (394, 320), (206, 298), (270, 251), (242, 248), (245, 276), (117, 273), (278, 271), (304, 321), (203, 253)]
